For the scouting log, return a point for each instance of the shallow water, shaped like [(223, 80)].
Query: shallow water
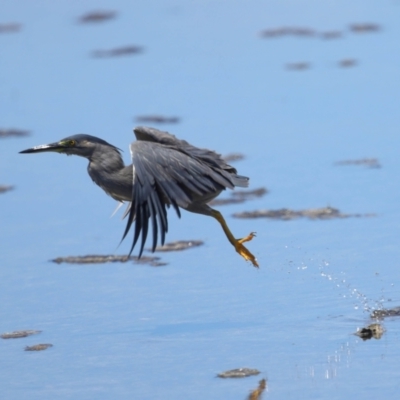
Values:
[(136, 331)]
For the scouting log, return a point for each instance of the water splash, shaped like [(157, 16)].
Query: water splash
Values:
[(361, 300)]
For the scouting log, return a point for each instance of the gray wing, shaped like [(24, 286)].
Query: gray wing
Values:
[(165, 176), (148, 134), (213, 159)]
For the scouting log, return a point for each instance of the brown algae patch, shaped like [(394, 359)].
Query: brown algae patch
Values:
[(38, 347), (102, 259), (10, 27), (180, 245), (238, 373), (390, 312), (5, 188), (366, 162), (18, 334), (288, 31), (329, 35), (371, 331), (152, 261), (118, 51), (347, 62), (97, 16), (232, 157), (306, 32), (286, 214), (240, 196), (6, 133), (92, 259), (157, 119), (298, 66), (367, 27)]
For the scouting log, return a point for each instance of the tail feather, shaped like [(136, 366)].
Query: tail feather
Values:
[(240, 181)]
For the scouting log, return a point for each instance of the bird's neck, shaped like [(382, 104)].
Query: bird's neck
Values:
[(110, 173)]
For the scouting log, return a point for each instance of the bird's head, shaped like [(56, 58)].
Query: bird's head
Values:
[(79, 145)]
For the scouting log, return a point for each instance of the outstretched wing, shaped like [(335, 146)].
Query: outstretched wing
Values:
[(165, 175)]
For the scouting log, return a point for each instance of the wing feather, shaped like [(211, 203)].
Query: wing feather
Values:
[(169, 172)]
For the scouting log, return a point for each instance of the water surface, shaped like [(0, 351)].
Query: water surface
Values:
[(129, 331)]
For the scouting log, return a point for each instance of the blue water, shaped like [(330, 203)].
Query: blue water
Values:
[(135, 331)]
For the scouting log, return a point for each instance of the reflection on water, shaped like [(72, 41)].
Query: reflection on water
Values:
[(341, 356), (257, 393), (332, 366)]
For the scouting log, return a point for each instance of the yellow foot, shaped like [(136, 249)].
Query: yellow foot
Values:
[(243, 251)]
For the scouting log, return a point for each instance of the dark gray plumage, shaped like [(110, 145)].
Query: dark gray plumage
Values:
[(165, 172)]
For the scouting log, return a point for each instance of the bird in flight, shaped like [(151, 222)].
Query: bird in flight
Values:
[(165, 172)]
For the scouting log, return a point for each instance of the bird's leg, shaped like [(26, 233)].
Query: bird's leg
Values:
[(237, 243)]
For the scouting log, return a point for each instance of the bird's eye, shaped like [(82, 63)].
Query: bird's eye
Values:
[(72, 142)]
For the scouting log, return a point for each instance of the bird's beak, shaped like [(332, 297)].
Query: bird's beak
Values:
[(54, 147)]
